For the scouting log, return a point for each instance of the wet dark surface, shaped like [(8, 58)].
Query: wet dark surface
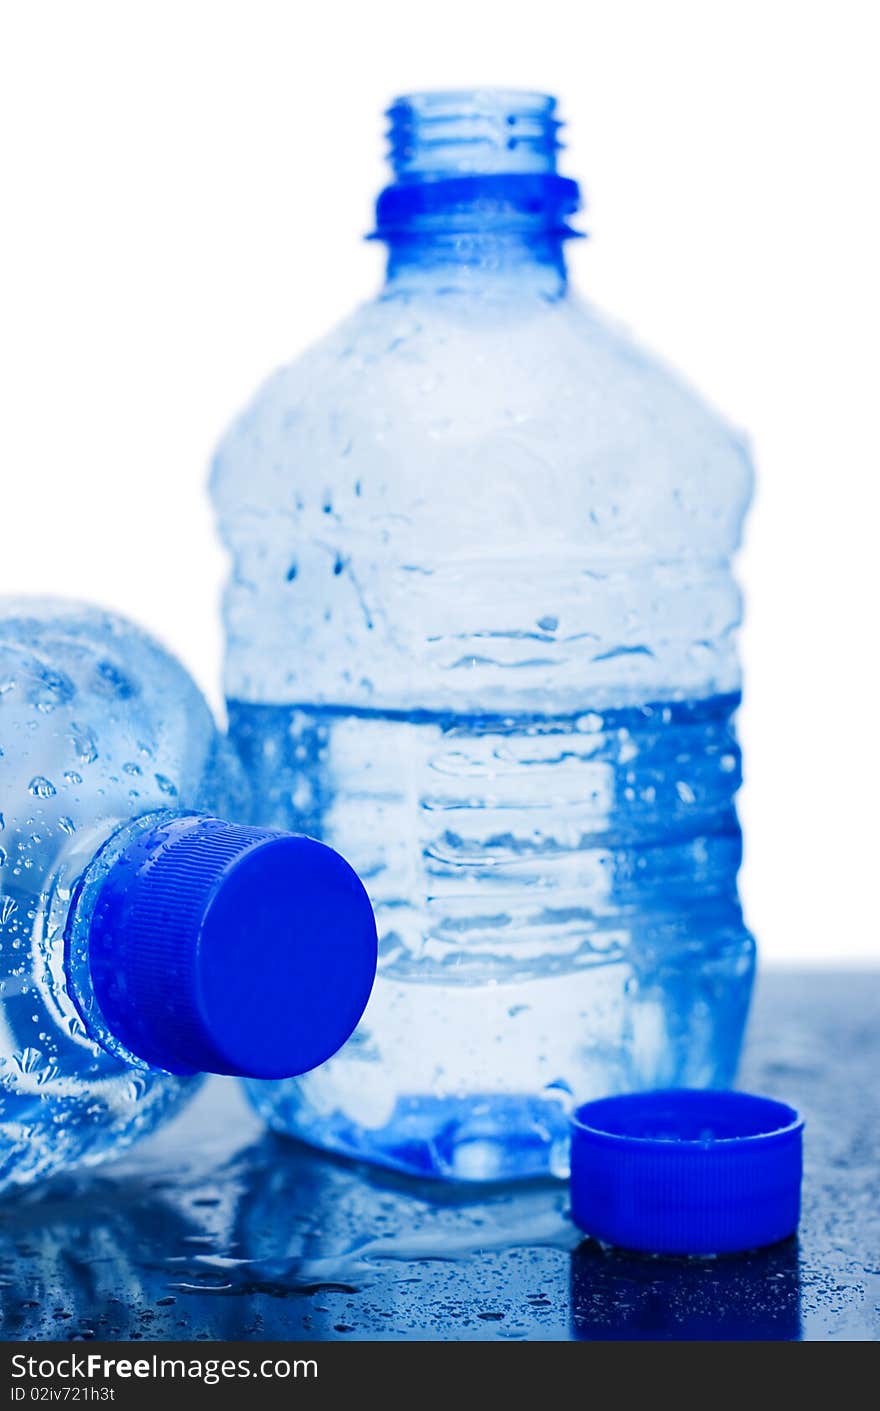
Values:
[(214, 1230)]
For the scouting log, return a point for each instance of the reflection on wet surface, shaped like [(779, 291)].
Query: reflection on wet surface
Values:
[(622, 1297), (213, 1229)]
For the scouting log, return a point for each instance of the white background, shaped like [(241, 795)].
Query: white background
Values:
[(184, 188)]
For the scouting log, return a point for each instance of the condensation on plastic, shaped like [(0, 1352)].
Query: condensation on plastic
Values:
[(481, 637)]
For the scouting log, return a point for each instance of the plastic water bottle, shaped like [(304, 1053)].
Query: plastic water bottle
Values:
[(142, 939), (481, 637)]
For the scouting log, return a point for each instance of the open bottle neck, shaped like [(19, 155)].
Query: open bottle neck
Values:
[(478, 263), (476, 197)]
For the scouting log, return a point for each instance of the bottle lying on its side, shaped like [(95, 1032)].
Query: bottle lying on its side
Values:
[(143, 939)]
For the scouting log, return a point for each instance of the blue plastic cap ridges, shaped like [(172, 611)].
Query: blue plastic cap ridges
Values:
[(218, 948), (682, 1171)]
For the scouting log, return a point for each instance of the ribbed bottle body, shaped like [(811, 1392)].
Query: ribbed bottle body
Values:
[(481, 639)]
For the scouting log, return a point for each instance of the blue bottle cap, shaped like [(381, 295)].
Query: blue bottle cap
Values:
[(686, 1172), (215, 948)]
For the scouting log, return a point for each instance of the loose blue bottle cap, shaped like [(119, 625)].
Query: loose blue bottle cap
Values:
[(686, 1172), (215, 948)]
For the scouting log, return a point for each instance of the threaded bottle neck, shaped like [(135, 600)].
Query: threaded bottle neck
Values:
[(486, 131), (475, 182)]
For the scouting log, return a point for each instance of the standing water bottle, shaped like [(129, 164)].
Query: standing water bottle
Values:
[(481, 638), (142, 939)]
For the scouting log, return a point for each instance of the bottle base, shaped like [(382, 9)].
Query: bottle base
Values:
[(481, 1138), (476, 1083)]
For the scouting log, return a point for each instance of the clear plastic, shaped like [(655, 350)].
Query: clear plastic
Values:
[(481, 638), (101, 734)]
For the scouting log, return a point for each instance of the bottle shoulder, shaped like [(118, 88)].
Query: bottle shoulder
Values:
[(100, 722), (406, 504), (402, 369)]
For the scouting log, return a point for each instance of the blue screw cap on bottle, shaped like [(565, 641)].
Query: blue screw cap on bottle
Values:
[(686, 1171), (226, 949)]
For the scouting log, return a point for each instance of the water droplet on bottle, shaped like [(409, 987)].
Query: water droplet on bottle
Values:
[(49, 689), (29, 1060), (110, 680), (84, 743), (135, 1088), (41, 787)]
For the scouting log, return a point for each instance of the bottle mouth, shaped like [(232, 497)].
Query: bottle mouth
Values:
[(475, 162), (480, 131)]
